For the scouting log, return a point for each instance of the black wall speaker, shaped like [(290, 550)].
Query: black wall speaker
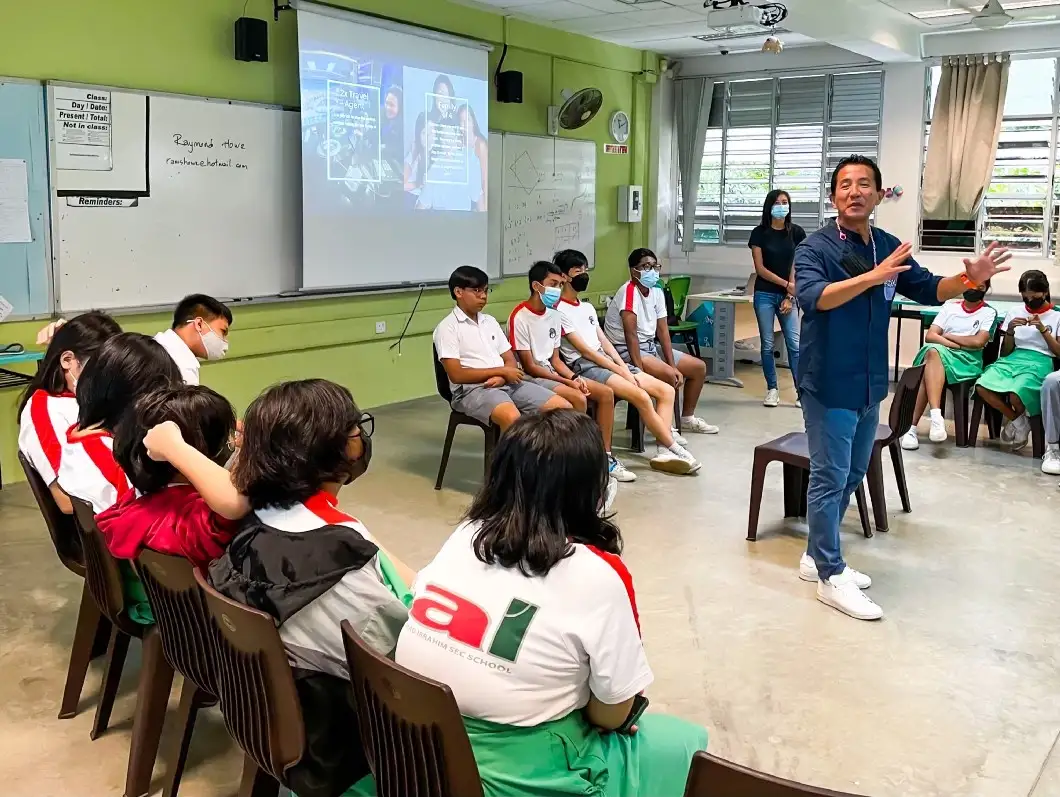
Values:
[(510, 87), (252, 39)]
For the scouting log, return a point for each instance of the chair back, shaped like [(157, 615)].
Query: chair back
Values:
[(711, 776), (102, 574), (679, 286), (441, 378), (992, 350), (904, 403), (255, 685), (61, 527), (411, 728), (181, 616)]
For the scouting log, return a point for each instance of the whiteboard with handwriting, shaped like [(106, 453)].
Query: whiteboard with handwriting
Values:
[(221, 213), (548, 199)]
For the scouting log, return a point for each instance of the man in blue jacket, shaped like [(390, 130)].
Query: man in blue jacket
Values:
[(846, 275)]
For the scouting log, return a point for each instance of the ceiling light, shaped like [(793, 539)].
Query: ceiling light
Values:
[(772, 45)]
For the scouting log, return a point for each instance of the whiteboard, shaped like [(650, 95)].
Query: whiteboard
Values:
[(221, 215), (548, 199)]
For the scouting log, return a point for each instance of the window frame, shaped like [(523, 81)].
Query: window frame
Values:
[(824, 212)]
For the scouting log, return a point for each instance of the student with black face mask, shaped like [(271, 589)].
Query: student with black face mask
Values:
[(1013, 384)]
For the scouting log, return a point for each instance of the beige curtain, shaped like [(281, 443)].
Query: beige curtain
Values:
[(965, 126)]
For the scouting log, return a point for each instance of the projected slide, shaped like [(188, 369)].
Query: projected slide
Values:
[(377, 133)]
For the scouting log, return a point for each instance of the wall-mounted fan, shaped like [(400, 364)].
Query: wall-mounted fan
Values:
[(577, 110), (992, 15)]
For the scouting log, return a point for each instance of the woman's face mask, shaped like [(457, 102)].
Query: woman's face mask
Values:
[(360, 465), (779, 211), (1036, 303), (974, 296)]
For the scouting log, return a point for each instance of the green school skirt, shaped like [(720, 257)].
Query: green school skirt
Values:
[(1022, 372), (570, 757), (960, 365), (136, 605)]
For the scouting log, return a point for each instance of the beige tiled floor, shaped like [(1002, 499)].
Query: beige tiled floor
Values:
[(955, 692)]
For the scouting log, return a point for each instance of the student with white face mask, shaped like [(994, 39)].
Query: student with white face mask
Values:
[(199, 332)]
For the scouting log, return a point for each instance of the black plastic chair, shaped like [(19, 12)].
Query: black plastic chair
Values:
[(491, 432), (888, 435)]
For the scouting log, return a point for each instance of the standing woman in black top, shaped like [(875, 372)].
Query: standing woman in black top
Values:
[(772, 246)]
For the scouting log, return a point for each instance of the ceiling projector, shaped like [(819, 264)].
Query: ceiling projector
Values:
[(735, 15)]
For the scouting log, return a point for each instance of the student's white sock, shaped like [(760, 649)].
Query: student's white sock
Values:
[(1052, 446), (936, 415), (676, 448)]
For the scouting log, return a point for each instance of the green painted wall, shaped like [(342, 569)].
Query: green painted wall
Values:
[(185, 46)]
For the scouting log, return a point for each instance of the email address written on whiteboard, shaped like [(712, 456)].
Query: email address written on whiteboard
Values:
[(200, 153)]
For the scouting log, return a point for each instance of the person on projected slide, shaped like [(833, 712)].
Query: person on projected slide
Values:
[(478, 149)]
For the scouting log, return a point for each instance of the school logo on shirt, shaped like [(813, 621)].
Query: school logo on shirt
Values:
[(975, 326), (466, 622), (552, 332)]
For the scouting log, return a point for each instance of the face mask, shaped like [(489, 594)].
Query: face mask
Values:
[(360, 466), (974, 296), (609, 497), (649, 279), (216, 346), (779, 211), (550, 296), (580, 283), (1036, 304)]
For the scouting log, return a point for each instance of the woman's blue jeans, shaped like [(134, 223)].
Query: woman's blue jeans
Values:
[(767, 307)]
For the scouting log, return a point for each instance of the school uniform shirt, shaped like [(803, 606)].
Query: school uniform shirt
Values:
[(89, 471), (538, 333), (174, 520), (647, 308), (183, 356), (778, 254), (956, 319), (844, 351), (580, 318), (476, 343), (519, 650), (42, 429), (1028, 337)]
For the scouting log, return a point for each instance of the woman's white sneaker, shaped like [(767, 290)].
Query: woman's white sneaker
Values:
[(772, 398), (669, 462), (842, 593), (938, 432), (1051, 462), (910, 440), (808, 572)]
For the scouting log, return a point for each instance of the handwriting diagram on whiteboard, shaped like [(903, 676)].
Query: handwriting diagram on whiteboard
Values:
[(549, 200)]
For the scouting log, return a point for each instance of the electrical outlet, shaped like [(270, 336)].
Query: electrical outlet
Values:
[(380, 327)]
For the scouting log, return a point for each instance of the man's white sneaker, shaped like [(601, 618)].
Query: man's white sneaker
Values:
[(619, 472), (668, 462), (938, 432), (808, 572), (1021, 432), (772, 398), (678, 437), (910, 440), (1051, 462), (698, 425), (840, 592)]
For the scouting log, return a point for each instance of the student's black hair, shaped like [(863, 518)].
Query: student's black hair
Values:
[(83, 335), (294, 442), (639, 254), (470, 112), (199, 305), (126, 367), (1034, 281), (569, 259), (419, 151), (767, 208), (857, 160), (467, 277), (206, 421), (399, 95), (540, 270), (546, 485), (443, 80)]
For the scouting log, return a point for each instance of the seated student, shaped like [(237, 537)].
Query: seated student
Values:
[(529, 615), (478, 359), (590, 355), (636, 325), (300, 558), (1013, 384), (125, 368), (535, 332), (952, 352), (48, 407), (199, 332), (1051, 419)]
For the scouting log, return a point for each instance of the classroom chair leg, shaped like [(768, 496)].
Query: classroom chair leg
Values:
[(88, 622), (256, 782), (152, 698), (792, 490), (758, 480), (863, 510), (876, 489), (119, 646), (899, 475), (445, 451), (191, 700)]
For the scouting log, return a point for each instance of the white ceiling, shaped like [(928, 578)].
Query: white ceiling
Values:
[(669, 27)]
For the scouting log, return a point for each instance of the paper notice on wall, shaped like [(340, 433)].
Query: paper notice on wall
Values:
[(14, 202), (83, 129), (6, 308)]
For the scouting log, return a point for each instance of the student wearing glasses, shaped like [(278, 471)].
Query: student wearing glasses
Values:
[(636, 325), (485, 379)]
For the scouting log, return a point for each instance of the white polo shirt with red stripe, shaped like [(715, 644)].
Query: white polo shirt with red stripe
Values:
[(959, 318), (580, 318), (42, 430), (539, 333), (647, 308), (89, 471), (521, 650)]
